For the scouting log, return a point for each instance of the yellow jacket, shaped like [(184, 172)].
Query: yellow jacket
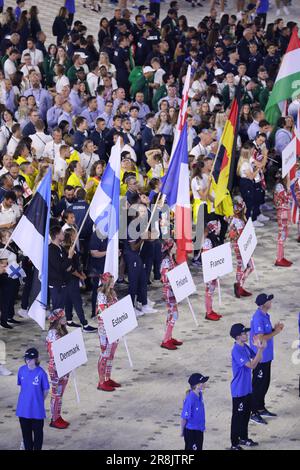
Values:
[(75, 181)]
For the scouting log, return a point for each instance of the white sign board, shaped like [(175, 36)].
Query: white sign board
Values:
[(119, 319), (247, 242), (289, 157), (217, 262), (69, 352), (181, 282)]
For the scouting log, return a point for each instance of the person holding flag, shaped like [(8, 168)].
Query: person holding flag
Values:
[(106, 297)]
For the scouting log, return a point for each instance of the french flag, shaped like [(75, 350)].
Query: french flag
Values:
[(105, 208), (32, 237)]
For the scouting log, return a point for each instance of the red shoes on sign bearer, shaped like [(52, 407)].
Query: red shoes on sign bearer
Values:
[(59, 423), (213, 316), (171, 344), (239, 291), (108, 386), (284, 263)]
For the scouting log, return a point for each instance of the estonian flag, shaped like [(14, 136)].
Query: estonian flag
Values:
[(32, 237)]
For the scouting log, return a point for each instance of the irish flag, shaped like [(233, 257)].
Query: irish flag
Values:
[(287, 84)]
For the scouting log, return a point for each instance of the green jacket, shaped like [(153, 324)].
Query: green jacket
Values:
[(160, 93)]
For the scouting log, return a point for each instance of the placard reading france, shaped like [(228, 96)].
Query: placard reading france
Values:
[(217, 262), (119, 319), (181, 282), (69, 352), (247, 242)]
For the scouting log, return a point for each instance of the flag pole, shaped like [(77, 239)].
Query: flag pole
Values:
[(151, 217), (81, 227)]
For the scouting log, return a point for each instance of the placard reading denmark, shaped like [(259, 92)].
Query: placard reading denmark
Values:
[(119, 319), (181, 282), (289, 157), (216, 262), (69, 352), (247, 242)]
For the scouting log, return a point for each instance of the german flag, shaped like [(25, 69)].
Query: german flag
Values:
[(224, 164)]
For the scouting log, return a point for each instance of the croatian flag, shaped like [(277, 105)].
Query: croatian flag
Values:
[(105, 208), (32, 237), (175, 187)]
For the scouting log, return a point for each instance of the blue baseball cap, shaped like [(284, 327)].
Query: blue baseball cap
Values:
[(262, 299), (237, 329), (197, 379)]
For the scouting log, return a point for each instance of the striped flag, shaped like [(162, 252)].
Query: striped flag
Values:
[(293, 176), (105, 209), (32, 237), (182, 111), (287, 84), (175, 186), (225, 158)]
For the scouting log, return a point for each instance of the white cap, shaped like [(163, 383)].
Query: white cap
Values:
[(219, 72), (82, 55), (148, 69)]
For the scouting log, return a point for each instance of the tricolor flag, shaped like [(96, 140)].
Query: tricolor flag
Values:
[(225, 158), (293, 176), (175, 186), (181, 120), (287, 84), (105, 209), (32, 237)]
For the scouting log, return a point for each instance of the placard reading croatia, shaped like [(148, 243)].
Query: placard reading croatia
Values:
[(119, 319), (181, 282), (69, 352), (289, 157), (217, 262), (247, 242)]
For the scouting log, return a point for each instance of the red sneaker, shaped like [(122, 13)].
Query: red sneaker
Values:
[(112, 383), (244, 293), (168, 345), (283, 263), (212, 316), (290, 262), (236, 287), (176, 342), (217, 314), (298, 239), (63, 421), (58, 424), (105, 387)]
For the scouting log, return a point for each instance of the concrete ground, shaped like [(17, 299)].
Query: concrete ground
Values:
[(145, 412)]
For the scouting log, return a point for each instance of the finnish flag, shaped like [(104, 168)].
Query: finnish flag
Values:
[(105, 209), (15, 271), (32, 237)]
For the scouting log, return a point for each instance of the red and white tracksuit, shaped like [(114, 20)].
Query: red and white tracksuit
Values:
[(210, 286), (282, 203), (236, 228), (167, 265), (107, 351), (58, 385)]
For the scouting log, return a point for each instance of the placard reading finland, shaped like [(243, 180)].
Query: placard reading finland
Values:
[(119, 319), (217, 262), (247, 242), (289, 157), (181, 282), (69, 352)]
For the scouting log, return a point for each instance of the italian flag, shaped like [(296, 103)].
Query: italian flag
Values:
[(287, 84)]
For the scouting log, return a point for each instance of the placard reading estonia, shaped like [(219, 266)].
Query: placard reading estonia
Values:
[(181, 282), (247, 242), (289, 157), (217, 262), (119, 319), (69, 352)]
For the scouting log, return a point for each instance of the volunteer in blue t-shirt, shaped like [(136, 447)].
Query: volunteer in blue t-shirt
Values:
[(34, 384), (261, 326), (244, 360), (193, 413)]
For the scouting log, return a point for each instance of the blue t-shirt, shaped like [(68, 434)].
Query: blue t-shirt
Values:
[(193, 411), (31, 399), (261, 325), (263, 7), (241, 384)]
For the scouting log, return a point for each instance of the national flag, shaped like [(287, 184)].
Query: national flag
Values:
[(32, 237), (293, 175), (181, 120), (14, 271), (295, 205), (175, 187), (287, 84), (105, 208), (225, 159)]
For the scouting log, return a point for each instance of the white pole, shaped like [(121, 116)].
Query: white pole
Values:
[(75, 385), (219, 292), (255, 271), (192, 311), (127, 350)]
